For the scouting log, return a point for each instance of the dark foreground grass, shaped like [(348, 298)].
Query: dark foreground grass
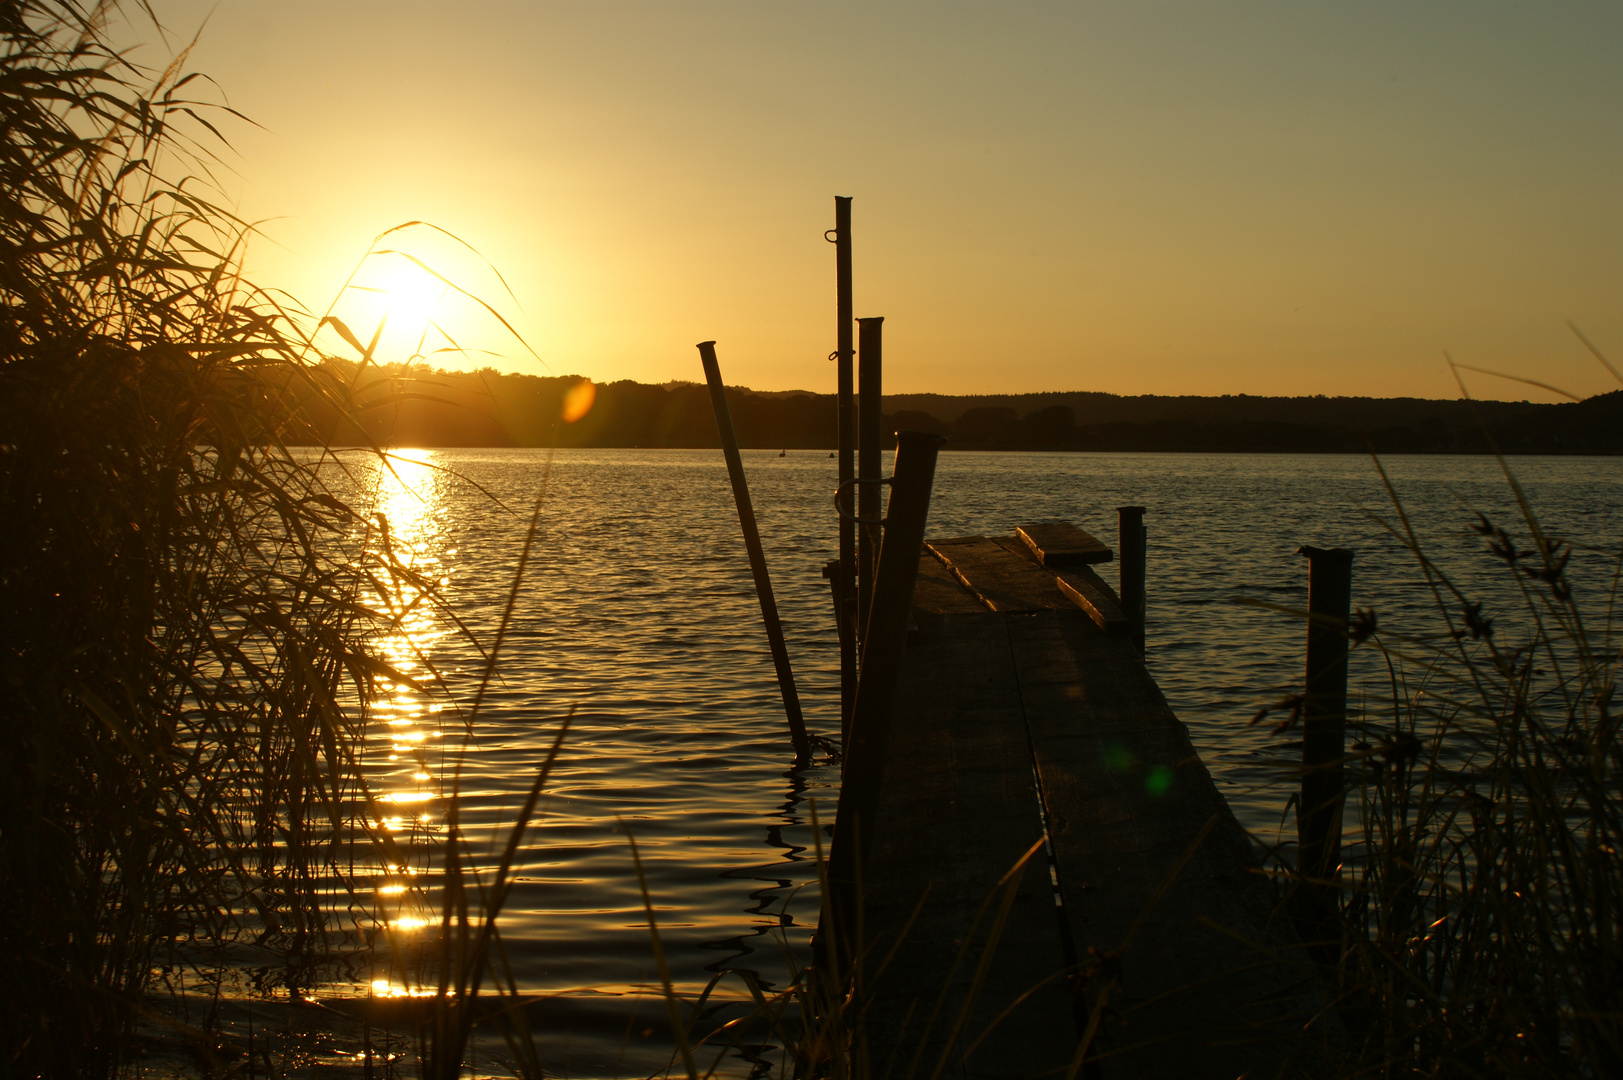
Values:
[(1478, 920), (184, 622), (1482, 909)]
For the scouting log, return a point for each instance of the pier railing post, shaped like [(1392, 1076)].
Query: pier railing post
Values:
[(1324, 711), (870, 362), (752, 543), (1133, 547), (845, 410), (883, 645)]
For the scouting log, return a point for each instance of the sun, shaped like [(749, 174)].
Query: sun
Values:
[(397, 299), (410, 293), (417, 307)]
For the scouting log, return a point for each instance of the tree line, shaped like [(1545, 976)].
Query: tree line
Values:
[(416, 406)]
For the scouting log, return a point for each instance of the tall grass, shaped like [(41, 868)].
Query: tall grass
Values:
[(183, 634), (1481, 899)]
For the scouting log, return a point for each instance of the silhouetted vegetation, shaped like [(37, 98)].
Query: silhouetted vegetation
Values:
[(421, 407), (185, 610), (1480, 928)]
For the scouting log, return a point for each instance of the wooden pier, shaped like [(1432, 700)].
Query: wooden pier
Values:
[(1032, 873), (1025, 724)]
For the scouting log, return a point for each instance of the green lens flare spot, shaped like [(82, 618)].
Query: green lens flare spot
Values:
[(1158, 781), (1119, 759)]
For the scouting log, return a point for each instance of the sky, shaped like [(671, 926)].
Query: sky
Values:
[(1144, 198)]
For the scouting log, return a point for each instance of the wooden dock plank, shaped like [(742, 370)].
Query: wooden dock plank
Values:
[(1004, 580), (938, 592), (961, 809), (1128, 797), (1090, 593), (1004, 574), (1059, 544)]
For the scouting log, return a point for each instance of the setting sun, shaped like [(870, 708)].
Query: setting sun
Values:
[(392, 292), (410, 292)]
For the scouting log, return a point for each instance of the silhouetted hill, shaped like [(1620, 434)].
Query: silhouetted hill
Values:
[(405, 407)]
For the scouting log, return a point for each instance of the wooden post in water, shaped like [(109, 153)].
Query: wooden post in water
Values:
[(870, 363), (845, 578), (882, 649), (1324, 711), (1133, 548), (752, 543)]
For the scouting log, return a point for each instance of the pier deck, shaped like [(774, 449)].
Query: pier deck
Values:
[(1025, 715)]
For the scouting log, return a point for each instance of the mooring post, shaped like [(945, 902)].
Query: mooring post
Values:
[(846, 425), (752, 543), (1324, 711), (870, 364), (883, 643), (1132, 548)]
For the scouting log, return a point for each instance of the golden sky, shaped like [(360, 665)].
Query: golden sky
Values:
[(1176, 198)]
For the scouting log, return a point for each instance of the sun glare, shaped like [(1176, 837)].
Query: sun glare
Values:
[(411, 293), (397, 298)]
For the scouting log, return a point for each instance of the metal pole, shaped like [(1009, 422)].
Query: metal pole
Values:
[(845, 582), (882, 648), (752, 542), (1133, 545), (1324, 711), (870, 363)]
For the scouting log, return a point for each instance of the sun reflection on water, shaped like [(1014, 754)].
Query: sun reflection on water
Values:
[(406, 537)]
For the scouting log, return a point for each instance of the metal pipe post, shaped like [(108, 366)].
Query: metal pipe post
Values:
[(846, 425), (882, 647), (1133, 548), (752, 542), (870, 363), (1324, 711)]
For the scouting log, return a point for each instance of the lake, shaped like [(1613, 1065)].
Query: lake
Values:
[(637, 614)]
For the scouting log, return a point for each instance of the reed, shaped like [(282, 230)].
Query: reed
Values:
[(184, 615), (1480, 903)]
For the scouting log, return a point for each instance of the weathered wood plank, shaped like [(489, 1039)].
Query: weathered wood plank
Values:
[(1006, 579), (1128, 799), (960, 810), (1089, 592), (1060, 544), (938, 592)]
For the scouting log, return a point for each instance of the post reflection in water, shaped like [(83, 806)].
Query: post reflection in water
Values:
[(769, 905)]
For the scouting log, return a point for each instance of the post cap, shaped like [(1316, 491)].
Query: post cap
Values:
[(921, 438), (1333, 555)]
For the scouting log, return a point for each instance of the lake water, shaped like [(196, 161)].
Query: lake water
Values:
[(638, 614)]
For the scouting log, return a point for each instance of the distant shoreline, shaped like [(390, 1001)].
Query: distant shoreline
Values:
[(829, 451), (421, 407)]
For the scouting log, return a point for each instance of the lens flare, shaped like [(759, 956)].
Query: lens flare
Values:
[(578, 400)]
